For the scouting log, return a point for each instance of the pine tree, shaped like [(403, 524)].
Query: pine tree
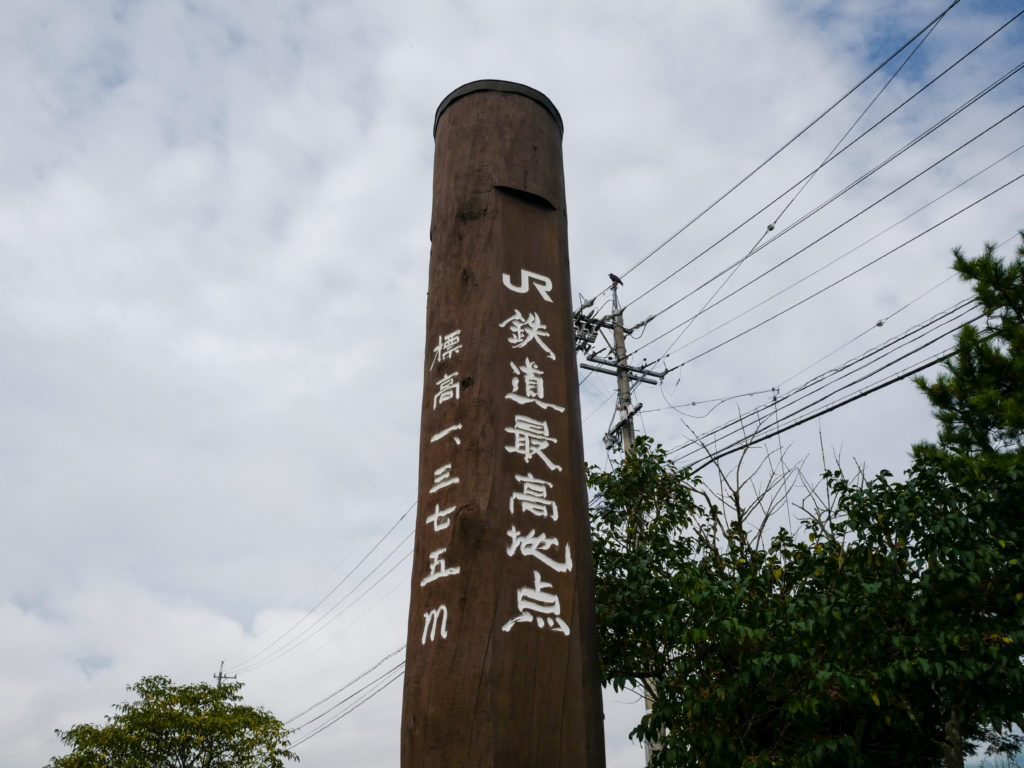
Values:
[(979, 401)]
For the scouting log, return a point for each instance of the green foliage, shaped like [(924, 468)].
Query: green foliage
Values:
[(885, 630), (946, 548), (979, 401), (882, 638), (644, 557), (187, 726)]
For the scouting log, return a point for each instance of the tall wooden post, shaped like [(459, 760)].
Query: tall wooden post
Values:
[(501, 664)]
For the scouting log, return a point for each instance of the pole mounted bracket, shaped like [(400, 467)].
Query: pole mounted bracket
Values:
[(614, 435)]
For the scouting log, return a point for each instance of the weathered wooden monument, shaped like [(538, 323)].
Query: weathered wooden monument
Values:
[(501, 664)]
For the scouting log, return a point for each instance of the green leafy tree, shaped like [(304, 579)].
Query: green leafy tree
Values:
[(885, 630), (179, 726), (942, 554)]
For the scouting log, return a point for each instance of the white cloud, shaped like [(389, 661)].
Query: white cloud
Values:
[(213, 256)]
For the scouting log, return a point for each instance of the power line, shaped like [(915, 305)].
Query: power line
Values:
[(859, 362), (853, 125), (719, 455), (323, 621), (744, 418), (920, 137), (760, 244), (338, 565), (845, 277), (354, 620), (247, 665), (868, 330), (348, 698), (829, 378), (716, 402), (802, 180), (817, 240), (835, 260), (800, 133), (346, 686), (382, 683)]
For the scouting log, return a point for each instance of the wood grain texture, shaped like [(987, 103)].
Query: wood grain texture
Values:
[(515, 680)]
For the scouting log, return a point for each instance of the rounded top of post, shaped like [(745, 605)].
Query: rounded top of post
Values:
[(502, 86)]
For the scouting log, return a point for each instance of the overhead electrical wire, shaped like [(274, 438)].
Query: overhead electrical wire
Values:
[(830, 379), (721, 454), (765, 273), (849, 130), (807, 176), (246, 664), (777, 389), (934, 127), (715, 403), (876, 124), (346, 686), (827, 386), (1011, 237), (609, 396), (800, 133), (336, 567), (845, 277), (380, 599), (855, 364), (759, 244), (952, 315), (828, 264), (708, 304), (850, 367), (362, 695), (796, 420), (396, 675), (868, 330), (327, 618)]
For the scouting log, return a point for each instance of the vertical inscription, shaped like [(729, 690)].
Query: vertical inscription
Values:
[(531, 435), (501, 665), (446, 393)]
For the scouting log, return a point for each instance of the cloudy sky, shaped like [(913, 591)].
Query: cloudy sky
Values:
[(213, 260)]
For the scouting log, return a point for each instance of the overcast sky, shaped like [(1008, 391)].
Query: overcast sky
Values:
[(213, 261)]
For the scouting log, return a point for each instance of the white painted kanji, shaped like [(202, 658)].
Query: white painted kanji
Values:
[(448, 345), (536, 545), (531, 437), (443, 478), (447, 389), (439, 517), (523, 330), (436, 621), (448, 431), (438, 568), (532, 497), (537, 604), (527, 279), (528, 385)]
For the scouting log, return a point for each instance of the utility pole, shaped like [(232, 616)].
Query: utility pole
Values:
[(622, 375), (501, 656), (587, 328), (220, 677), (616, 364)]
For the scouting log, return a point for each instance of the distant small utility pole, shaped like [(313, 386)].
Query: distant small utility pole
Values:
[(614, 363), (220, 677)]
